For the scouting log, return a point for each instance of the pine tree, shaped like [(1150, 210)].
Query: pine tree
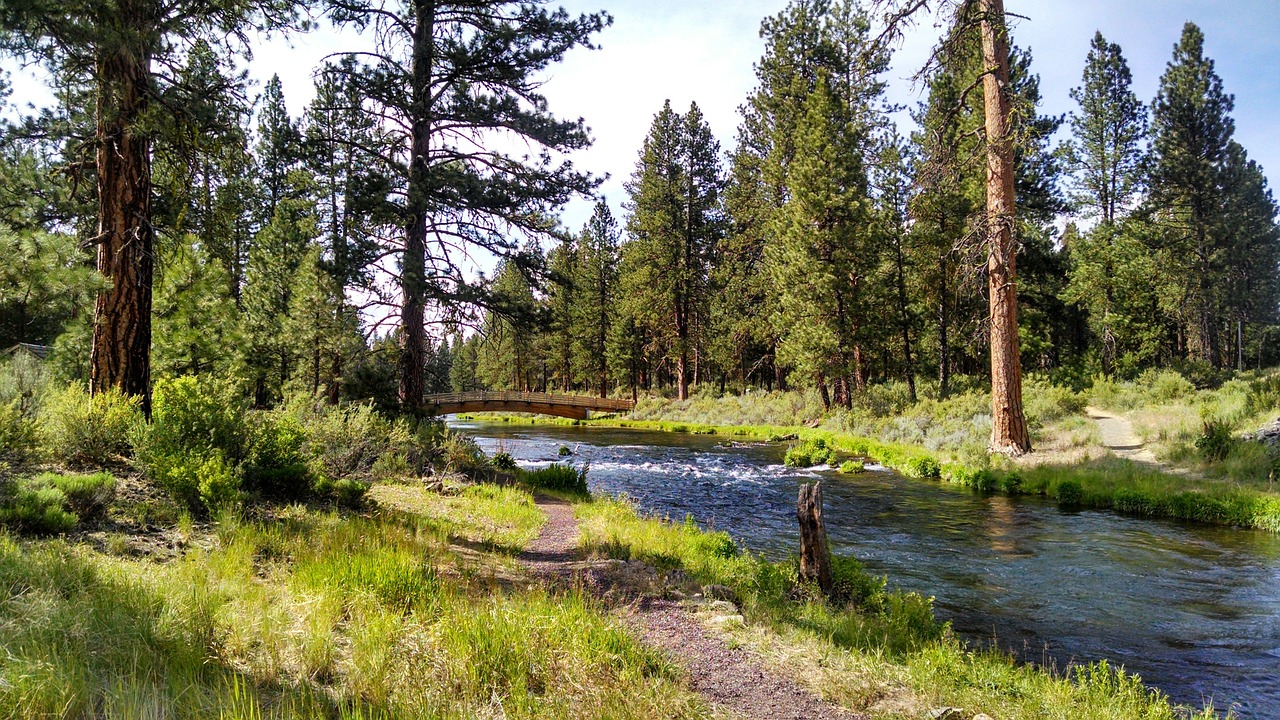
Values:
[(1105, 157), (594, 311), (321, 329), (1191, 140), (339, 133), (822, 252), (1108, 132), (506, 357), (198, 329), (447, 75), (674, 224), (278, 150), (278, 250), (1253, 260), (564, 263)]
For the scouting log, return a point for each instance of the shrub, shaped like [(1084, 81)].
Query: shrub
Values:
[(275, 465), (349, 493), (809, 453), (1068, 493), (89, 430), (1215, 440), (390, 466), (38, 509), (202, 481), (565, 451), (460, 453), (345, 441), (18, 440), (198, 414), (88, 496), (852, 467), (559, 477), (978, 478), (851, 584), (503, 461)]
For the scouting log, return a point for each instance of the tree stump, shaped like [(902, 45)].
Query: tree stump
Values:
[(815, 556)]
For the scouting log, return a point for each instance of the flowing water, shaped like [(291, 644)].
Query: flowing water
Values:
[(1194, 610)]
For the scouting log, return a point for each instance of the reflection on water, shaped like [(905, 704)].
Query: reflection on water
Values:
[(1193, 610)]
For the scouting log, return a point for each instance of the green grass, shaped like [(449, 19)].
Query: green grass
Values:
[(310, 614), (877, 650)]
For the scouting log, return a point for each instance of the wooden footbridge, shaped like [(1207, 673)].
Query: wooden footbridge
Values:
[(578, 407)]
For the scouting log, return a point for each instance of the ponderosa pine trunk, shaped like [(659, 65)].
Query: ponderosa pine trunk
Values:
[(413, 333), (121, 355), (1008, 422)]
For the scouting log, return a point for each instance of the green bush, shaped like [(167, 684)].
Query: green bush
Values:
[(202, 481), (852, 467), (198, 414), (852, 584), (559, 477), (978, 478), (349, 493), (1068, 493), (809, 453), (460, 453), (18, 437), (88, 496), (345, 441), (86, 430), (275, 465), (36, 509), (503, 461), (391, 466)]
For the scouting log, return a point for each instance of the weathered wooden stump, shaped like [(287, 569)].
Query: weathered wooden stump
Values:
[(815, 555)]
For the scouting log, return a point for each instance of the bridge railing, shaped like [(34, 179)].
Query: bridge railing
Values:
[(583, 401)]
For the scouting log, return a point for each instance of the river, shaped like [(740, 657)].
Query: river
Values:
[(1193, 610)]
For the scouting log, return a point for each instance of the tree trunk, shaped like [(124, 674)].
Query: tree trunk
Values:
[(815, 555), (413, 287), (1009, 425), (121, 353), (682, 375)]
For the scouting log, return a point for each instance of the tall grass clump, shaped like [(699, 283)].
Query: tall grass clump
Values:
[(562, 478)]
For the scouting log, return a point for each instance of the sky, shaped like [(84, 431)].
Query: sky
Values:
[(703, 51)]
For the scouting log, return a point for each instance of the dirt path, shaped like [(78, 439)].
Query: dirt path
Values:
[(1118, 437), (729, 678)]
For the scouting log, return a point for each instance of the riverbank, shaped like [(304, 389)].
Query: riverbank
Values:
[(1079, 471), (417, 604)]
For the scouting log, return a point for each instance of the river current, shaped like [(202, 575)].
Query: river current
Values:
[(1193, 610)]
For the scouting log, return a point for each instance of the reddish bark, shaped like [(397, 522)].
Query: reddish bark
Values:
[(1008, 423)]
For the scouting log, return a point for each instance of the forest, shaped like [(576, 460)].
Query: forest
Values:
[(334, 253)]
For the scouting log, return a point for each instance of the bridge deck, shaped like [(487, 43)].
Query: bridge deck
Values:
[(574, 406)]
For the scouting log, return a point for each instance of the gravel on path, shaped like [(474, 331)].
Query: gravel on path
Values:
[(1118, 436), (730, 678)]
